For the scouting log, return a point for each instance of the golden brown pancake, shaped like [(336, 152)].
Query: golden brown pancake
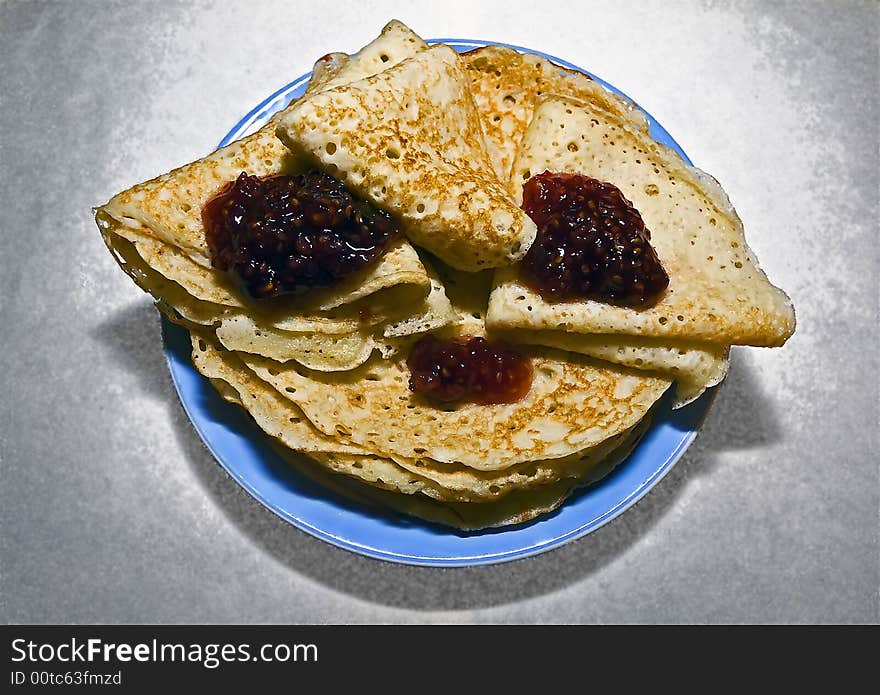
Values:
[(409, 139), (507, 86), (717, 293), (162, 221)]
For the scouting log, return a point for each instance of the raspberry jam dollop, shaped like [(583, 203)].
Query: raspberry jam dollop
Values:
[(468, 369), (591, 243), (286, 234)]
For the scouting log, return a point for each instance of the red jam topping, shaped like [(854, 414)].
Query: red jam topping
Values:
[(285, 234), (591, 243), (468, 369)]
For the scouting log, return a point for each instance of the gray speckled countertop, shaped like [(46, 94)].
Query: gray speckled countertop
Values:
[(111, 510)]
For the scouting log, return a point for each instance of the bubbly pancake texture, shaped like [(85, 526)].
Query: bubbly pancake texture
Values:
[(507, 86), (716, 294), (162, 220), (409, 139), (169, 206), (162, 217)]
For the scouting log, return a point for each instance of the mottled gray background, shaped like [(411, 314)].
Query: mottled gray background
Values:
[(112, 510)]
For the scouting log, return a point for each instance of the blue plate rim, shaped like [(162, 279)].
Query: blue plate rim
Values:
[(690, 418)]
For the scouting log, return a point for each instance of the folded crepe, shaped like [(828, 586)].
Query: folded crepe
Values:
[(410, 140), (157, 225), (507, 86), (717, 294)]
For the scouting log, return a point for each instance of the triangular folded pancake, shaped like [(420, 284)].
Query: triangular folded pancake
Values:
[(168, 208), (161, 220), (716, 294), (507, 86), (410, 140), (334, 340)]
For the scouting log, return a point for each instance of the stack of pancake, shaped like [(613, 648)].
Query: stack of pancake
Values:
[(444, 143)]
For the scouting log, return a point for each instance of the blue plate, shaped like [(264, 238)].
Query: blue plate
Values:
[(245, 452)]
